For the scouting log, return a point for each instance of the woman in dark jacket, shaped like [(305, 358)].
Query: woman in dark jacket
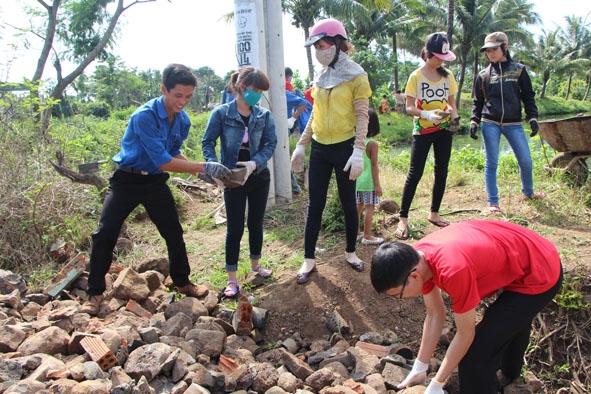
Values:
[(498, 93)]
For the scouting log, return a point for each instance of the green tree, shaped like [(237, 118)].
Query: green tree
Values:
[(83, 30), (576, 41)]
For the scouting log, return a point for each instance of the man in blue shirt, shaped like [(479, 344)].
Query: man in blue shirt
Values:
[(150, 148)]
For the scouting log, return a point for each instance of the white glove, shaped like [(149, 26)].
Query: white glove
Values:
[(355, 163), (297, 158), (417, 374), (290, 122), (432, 115), (249, 165), (434, 387)]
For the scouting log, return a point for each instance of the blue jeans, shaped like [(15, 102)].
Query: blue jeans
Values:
[(491, 134), (255, 192)]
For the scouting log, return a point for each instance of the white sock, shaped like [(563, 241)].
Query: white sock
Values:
[(307, 266), (352, 258)]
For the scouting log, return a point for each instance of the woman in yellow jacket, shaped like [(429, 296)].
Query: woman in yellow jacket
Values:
[(336, 132)]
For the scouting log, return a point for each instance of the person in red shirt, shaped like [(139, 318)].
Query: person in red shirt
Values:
[(308, 93), (469, 261)]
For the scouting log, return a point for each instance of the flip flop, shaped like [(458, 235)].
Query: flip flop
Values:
[(495, 209), (441, 222), (401, 233), (263, 273)]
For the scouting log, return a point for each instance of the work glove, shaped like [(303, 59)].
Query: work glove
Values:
[(216, 170), (454, 125), (250, 167), (473, 129), (432, 115), (297, 158), (417, 374), (209, 179), (434, 387), (290, 122), (533, 123), (355, 163)]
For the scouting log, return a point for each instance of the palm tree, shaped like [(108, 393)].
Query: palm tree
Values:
[(304, 13), (576, 40)]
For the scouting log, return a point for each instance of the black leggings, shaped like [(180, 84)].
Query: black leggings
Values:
[(441, 141), (501, 339), (323, 160)]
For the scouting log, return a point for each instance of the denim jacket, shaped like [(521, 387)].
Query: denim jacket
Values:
[(226, 124)]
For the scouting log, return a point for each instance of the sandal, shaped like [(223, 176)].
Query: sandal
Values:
[(495, 209), (401, 233), (232, 290), (441, 222), (535, 196), (263, 273)]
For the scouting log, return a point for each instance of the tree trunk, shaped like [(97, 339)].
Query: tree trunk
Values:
[(570, 79), (545, 79), (64, 82), (309, 54), (450, 21), (588, 86), (395, 58)]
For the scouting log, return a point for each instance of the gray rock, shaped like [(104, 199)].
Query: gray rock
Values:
[(265, 376), (322, 378), (196, 389), (178, 325), (130, 285), (10, 370), (10, 338), (62, 386), (190, 306), (376, 381), (159, 265), (210, 343), (146, 361), (9, 281), (365, 364), (393, 375), (52, 340), (296, 366), (27, 386), (102, 386), (288, 382)]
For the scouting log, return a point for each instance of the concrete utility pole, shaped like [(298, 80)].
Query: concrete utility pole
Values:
[(259, 43)]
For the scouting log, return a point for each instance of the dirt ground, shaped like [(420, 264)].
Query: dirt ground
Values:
[(304, 309)]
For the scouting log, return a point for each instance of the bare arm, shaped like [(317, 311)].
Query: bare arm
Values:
[(466, 328), (433, 324), (179, 163), (372, 152)]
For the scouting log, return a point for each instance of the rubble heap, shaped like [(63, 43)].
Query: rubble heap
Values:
[(147, 340)]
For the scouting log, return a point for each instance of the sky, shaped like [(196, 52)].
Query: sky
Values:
[(189, 32)]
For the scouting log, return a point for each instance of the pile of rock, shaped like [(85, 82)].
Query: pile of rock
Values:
[(156, 343)]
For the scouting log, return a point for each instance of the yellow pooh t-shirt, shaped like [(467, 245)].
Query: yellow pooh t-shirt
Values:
[(430, 95)]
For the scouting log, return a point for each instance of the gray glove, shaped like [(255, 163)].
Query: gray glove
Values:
[(216, 170)]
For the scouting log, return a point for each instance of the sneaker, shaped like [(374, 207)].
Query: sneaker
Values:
[(92, 304), (193, 290), (375, 241)]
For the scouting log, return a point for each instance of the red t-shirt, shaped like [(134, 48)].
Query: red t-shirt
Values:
[(472, 260)]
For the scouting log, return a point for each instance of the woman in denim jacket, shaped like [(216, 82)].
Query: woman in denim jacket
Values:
[(247, 139)]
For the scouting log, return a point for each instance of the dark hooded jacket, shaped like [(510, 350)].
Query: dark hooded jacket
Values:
[(499, 91)]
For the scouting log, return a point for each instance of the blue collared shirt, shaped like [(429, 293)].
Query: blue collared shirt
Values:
[(149, 140)]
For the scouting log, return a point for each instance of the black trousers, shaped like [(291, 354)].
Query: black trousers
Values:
[(421, 144), (127, 191), (502, 336), (324, 159)]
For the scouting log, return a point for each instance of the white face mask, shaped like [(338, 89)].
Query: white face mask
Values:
[(325, 56)]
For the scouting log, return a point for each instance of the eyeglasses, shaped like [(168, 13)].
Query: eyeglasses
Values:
[(399, 295)]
